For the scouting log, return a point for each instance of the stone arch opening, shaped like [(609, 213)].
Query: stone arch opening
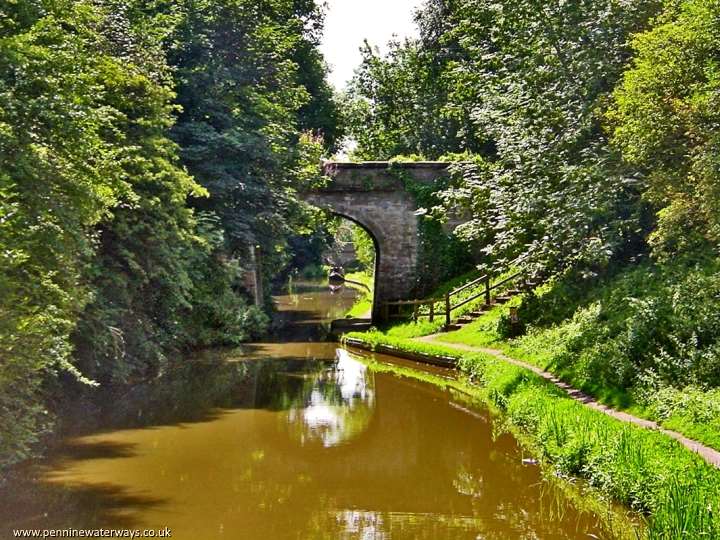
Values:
[(376, 247)]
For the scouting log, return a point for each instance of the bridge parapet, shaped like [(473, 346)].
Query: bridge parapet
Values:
[(380, 175)]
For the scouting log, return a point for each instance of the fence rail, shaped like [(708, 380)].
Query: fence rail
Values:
[(451, 301)]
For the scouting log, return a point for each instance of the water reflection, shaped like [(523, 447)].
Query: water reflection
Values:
[(309, 445), (339, 404), (291, 440), (307, 309)]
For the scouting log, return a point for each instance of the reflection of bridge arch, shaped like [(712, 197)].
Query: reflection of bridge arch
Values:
[(372, 194), (337, 405)]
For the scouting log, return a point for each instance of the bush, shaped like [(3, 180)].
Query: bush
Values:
[(649, 320)]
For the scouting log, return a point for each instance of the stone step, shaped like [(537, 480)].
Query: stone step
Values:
[(481, 310), (453, 327), (464, 320), (502, 299)]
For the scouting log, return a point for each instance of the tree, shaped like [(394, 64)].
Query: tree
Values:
[(113, 258), (239, 130), (151, 252), (665, 120), (520, 88), (61, 170)]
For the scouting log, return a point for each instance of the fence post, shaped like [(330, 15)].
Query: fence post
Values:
[(432, 311), (415, 312), (487, 290), (447, 310)]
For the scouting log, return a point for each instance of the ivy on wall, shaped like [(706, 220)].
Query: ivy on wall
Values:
[(442, 255)]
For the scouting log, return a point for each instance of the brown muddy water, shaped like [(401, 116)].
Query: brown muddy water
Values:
[(292, 440)]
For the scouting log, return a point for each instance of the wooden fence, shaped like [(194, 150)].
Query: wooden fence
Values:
[(451, 300)]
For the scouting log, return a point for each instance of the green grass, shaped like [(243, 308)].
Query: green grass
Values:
[(373, 338), (423, 327), (627, 339), (645, 470), (565, 349), (363, 303), (692, 412)]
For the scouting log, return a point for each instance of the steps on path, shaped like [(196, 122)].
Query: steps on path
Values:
[(506, 287), (504, 296), (478, 312), (472, 316)]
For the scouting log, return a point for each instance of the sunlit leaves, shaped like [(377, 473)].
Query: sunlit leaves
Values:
[(244, 105), (522, 84), (665, 119), (105, 268)]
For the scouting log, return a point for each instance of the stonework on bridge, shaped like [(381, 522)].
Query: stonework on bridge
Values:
[(373, 195)]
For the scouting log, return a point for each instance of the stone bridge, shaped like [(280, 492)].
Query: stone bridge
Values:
[(374, 195)]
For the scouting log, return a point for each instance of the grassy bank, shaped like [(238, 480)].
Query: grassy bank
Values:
[(645, 340), (363, 303), (645, 470), (642, 339), (468, 392), (423, 327)]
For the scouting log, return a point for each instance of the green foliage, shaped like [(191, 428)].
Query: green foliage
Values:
[(147, 247), (373, 338), (364, 249), (442, 256), (63, 155), (239, 131), (665, 120), (692, 411), (644, 338), (634, 466), (397, 105), (523, 85), (364, 301), (113, 258), (648, 323), (555, 191)]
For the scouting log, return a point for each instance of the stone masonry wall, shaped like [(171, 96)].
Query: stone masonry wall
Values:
[(374, 196)]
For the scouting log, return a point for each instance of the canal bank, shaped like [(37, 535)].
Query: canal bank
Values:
[(296, 438), (646, 470)]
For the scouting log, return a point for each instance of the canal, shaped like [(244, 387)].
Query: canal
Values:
[(293, 439)]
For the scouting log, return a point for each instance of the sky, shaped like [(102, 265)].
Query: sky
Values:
[(349, 22)]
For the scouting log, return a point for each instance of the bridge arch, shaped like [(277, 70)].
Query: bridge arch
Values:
[(376, 244), (374, 195)]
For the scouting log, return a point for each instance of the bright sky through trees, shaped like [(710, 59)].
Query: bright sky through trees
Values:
[(349, 22)]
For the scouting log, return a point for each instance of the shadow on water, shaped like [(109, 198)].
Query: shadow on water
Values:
[(323, 402), (306, 311), (251, 377), (39, 505), (75, 449), (290, 440)]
